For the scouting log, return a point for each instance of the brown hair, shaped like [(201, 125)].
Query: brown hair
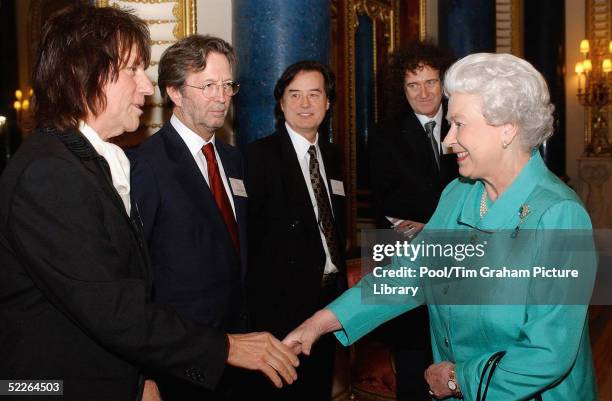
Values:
[(412, 57), (81, 49), (189, 55)]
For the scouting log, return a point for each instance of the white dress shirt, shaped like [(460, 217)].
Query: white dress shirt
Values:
[(117, 161), (195, 143), (301, 146)]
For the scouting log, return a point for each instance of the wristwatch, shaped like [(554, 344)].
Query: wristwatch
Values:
[(452, 383)]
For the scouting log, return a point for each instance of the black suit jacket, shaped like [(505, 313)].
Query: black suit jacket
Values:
[(74, 282), (285, 249), (405, 178), (195, 266)]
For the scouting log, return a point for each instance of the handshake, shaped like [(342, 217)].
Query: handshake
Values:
[(263, 352), (278, 359)]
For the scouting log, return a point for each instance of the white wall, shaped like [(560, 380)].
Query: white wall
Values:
[(574, 135), (215, 18)]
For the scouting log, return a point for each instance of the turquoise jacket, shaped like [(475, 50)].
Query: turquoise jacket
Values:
[(547, 346)]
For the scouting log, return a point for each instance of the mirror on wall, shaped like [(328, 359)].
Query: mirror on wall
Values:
[(363, 34)]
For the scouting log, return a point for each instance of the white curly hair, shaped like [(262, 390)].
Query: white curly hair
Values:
[(512, 91)]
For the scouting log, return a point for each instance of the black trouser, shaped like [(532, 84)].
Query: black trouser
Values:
[(315, 373), (412, 349)]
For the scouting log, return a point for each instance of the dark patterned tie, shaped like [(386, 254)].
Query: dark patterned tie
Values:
[(218, 190), (429, 128), (326, 219)]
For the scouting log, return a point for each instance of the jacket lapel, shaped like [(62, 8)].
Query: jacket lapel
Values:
[(330, 172), (190, 177), (337, 201), (96, 164), (78, 145)]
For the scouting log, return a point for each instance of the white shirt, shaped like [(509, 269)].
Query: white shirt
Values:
[(301, 146), (117, 162), (195, 143), (437, 129)]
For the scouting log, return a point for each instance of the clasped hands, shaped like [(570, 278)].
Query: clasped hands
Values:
[(276, 359), (253, 351), (262, 351)]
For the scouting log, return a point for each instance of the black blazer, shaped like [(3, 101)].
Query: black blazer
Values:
[(195, 266), (74, 282), (405, 178), (286, 255)]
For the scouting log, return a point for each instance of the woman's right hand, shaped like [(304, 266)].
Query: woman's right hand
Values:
[(301, 339)]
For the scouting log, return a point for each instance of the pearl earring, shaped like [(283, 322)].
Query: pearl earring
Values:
[(504, 145)]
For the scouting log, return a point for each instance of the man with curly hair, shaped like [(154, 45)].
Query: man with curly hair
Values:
[(409, 170)]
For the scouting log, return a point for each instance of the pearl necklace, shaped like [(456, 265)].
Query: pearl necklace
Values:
[(483, 204)]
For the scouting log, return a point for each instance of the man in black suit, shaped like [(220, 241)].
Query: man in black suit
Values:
[(409, 170), (189, 188), (296, 213), (74, 274)]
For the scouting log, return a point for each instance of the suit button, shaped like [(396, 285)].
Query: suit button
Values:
[(446, 341)]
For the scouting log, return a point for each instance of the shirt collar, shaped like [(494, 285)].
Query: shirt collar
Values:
[(301, 144), (194, 142), (423, 119), (504, 212), (92, 136), (117, 161)]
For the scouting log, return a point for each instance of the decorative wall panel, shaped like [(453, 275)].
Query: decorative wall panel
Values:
[(360, 29), (509, 26)]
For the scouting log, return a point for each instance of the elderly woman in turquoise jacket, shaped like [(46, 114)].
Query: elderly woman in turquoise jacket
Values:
[(500, 113)]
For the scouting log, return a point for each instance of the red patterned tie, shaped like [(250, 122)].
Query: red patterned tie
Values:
[(218, 191)]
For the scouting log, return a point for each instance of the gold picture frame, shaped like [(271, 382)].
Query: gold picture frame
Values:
[(184, 12), (388, 17)]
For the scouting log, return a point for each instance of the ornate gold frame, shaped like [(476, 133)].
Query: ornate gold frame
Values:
[(422, 19), (184, 12), (385, 15)]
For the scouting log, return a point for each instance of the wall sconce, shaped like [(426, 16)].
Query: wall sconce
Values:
[(22, 103), (594, 93)]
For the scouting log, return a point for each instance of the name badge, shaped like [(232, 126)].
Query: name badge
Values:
[(238, 187), (337, 187)]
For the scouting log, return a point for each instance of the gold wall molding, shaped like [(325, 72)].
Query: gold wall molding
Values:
[(385, 13), (146, 1), (385, 17), (162, 42), (422, 19), (509, 27), (598, 26), (185, 13), (160, 21)]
